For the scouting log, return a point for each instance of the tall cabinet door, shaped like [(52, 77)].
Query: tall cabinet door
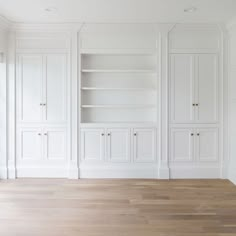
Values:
[(30, 82), (207, 144), (206, 91), (118, 145), (182, 144), (55, 87), (182, 88)]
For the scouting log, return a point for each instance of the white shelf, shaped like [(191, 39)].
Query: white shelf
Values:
[(118, 71), (119, 106), (122, 89)]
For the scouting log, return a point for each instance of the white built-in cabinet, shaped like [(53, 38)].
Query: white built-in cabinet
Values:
[(194, 144), (42, 132), (42, 143), (118, 145), (194, 88), (42, 88), (194, 108)]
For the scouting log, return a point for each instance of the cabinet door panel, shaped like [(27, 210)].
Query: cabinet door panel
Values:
[(55, 143), (144, 145), (30, 144), (30, 88), (181, 88), (207, 87), (92, 144), (55, 83), (207, 144), (182, 145), (118, 145)]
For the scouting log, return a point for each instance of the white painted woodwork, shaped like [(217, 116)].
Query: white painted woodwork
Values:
[(144, 147), (206, 89), (194, 88), (182, 145), (194, 145), (55, 88), (207, 144), (54, 143), (30, 144), (118, 145), (182, 88), (92, 145), (30, 88)]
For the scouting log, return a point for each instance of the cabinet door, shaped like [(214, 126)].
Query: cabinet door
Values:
[(30, 144), (118, 145), (182, 145), (144, 145), (30, 88), (206, 88), (182, 88), (55, 88), (207, 144), (92, 144), (54, 143)]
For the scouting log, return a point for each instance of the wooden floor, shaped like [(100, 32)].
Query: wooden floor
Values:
[(117, 207)]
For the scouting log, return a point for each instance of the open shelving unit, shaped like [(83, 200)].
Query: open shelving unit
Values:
[(118, 87)]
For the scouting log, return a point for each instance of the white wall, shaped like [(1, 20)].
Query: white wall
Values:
[(3, 100), (232, 104)]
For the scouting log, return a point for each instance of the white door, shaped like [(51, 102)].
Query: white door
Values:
[(182, 144), (92, 145), (29, 89), (206, 88), (144, 145), (55, 88), (54, 143), (29, 144), (207, 144), (182, 88), (118, 145)]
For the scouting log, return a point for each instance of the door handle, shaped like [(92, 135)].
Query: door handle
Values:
[(39, 134), (102, 134), (109, 134), (192, 134), (198, 134), (135, 134), (45, 134)]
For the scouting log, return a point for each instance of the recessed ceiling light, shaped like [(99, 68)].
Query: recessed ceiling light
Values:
[(190, 9), (51, 9)]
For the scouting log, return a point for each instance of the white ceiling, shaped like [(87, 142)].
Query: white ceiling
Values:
[(32, 11)]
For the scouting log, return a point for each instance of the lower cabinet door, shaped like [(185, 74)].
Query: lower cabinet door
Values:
[(118, 145), (207, 144), (54, 143), (92, 145), (182, 144), (29, 144), (144, 144)]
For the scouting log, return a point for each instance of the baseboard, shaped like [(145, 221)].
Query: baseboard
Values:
[(164, 173), (232, 176), (73, 173), (116, 172), (195, 172), (41, 172), (3, 173)]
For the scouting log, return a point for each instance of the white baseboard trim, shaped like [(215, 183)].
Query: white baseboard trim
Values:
[(73, 173), (3, 173), (232, 177), (195, 172), (116, 172), (11, 172), (164, 173), (41, 172)]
